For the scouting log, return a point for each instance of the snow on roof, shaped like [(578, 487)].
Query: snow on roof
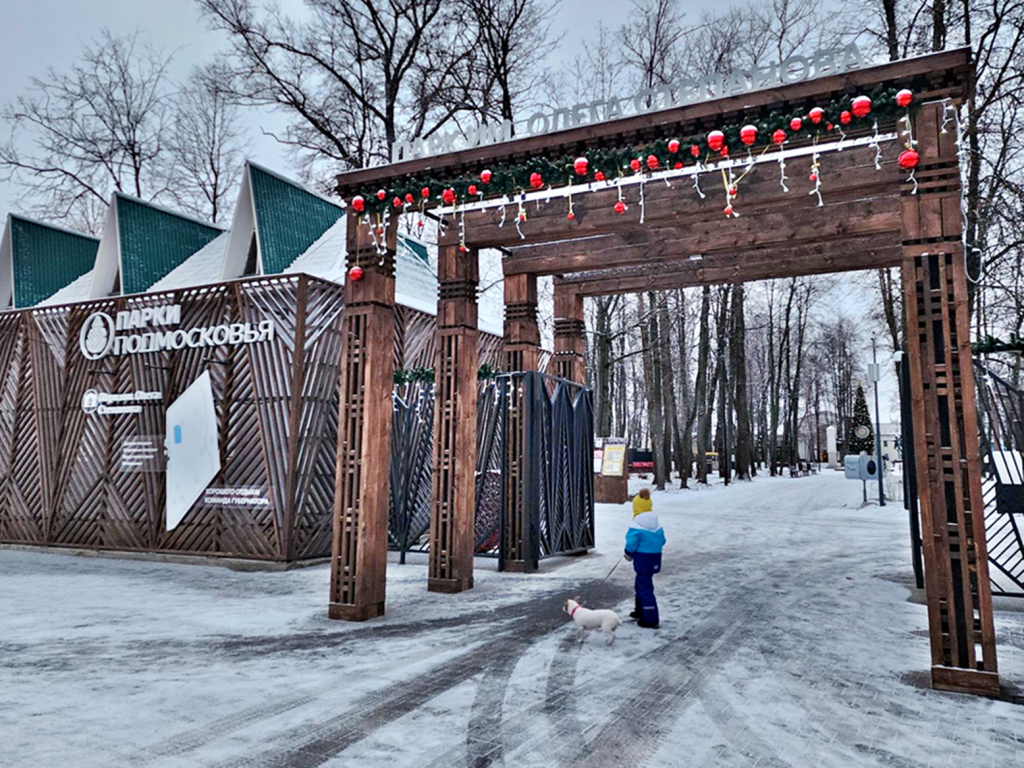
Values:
[(76, 291), (201, 268), (415, 280)]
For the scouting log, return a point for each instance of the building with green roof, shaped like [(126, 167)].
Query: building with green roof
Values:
[(37, 260)]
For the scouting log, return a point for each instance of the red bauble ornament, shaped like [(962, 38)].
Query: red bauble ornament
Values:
[(748, 134), (536, 181), (694, 150), (570, 216), (397, 202), (829, 127), (845, 117), (904, 97), (673, 146), (381, 194), (580, 166), (727, 210), (908, 159), (716, 139), (724, 152), (620, 207), (599, 176), (355, 274), (471, 189), (463, 248), (813, 177), (652, 162), (861, 106), (485, 176), (678, 165), (635, 163), (816, 115), (779, 137), (409, 198), (358, 204), (795, 124), (448, 196), (425, 192)]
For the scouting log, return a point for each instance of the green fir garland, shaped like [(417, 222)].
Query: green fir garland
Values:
[(615, 163)]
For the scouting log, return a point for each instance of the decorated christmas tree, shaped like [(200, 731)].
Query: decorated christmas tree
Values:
[(861, 435)]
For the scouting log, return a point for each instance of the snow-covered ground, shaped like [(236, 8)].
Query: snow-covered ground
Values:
[(790, 637)]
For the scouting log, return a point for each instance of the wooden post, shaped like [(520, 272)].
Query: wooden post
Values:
[(453, 497), (359, 545), (569, 327), (945, 419), (522, 353), (522, 335)]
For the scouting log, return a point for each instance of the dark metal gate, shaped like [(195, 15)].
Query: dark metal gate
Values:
[(548, 499), (546, 466), (1001, 423)]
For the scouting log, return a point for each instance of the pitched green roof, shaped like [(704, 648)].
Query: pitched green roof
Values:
[(155, 241), (289, 219), (46, 259), (414, 247)]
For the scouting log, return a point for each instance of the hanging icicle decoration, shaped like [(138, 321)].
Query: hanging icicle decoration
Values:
[(696, 180), (816, 177), (571, 215), (782, 171), (842, 137), (462, 231), (947, 107), (641, 202), (876, 146), (504, 202), (521, 216)]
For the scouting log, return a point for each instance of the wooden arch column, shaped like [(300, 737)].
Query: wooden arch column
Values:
[(570, 345), (453, 494), (959, 594), (359, 542)]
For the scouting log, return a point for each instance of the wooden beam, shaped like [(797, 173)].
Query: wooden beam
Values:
[(833, 222), (872, 252), (849, 175), (948, 69)]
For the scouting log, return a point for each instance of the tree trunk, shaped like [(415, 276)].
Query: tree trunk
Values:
[(738, 355), (652, 374), (700, 394), (686, 404), (673, 449)]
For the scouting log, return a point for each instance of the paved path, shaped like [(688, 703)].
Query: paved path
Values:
[(790, 637)]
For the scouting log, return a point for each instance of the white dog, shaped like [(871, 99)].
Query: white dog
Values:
[(606, 621)]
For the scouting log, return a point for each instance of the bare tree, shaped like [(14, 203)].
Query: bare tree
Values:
[(651, 41), (207, 146), (80, 134), (349, 75), (513, 37)]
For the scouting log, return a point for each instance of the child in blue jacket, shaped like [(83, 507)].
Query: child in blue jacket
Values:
[(644, 542)]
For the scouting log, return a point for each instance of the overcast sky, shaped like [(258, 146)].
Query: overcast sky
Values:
[(49, 33)]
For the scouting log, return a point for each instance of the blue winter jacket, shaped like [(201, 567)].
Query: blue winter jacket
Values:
[(645, 535)]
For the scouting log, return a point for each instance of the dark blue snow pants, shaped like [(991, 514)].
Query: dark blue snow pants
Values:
[(646, 565)]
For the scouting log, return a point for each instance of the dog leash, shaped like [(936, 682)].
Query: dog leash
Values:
[(617, 562)]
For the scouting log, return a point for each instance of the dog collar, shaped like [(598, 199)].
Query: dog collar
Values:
[(572, 613)]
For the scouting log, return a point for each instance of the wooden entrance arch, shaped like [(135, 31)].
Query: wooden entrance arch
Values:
[(871, 217)]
